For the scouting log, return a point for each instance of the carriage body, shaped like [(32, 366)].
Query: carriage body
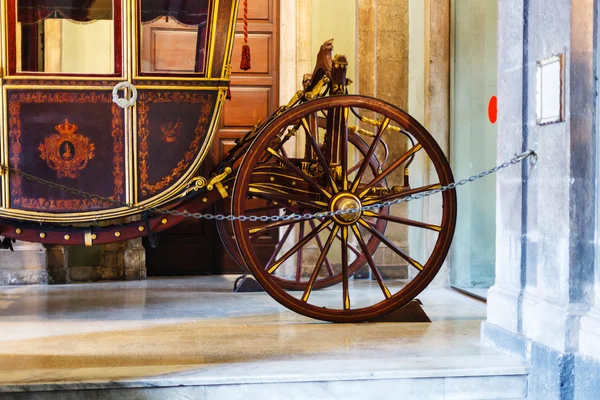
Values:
[(85, 164), (60, 122)]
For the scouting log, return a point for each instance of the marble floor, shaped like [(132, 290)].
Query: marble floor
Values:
[(195, 334)]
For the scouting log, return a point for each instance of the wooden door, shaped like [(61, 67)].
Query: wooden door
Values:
[(194, 248)]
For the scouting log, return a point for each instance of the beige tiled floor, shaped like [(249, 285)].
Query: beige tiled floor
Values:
[(132, 330)]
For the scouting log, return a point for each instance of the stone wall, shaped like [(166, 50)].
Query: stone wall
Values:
[(25, 266), (541, 307), (32, 263)]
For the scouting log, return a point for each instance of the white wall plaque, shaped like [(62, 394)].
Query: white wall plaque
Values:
[(549, 90)]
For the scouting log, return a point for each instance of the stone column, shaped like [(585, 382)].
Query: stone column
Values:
[(383, 46), (589, 335), (26, 265), (504, 298), (437, 113), (545, 242), (384, 72)]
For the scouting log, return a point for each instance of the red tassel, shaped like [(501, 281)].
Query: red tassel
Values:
[(228, 95), (245, 63)]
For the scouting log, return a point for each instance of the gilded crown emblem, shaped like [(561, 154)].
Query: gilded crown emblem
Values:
[(171, 131), (66, 128), (67, 152)]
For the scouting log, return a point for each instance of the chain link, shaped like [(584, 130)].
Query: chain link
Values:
[(275, 218)]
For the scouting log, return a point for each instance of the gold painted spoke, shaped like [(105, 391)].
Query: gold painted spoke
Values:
[(322, 257), (321, 248), (345, 267), (391, 245), (272, 268), (256, 231), (300, 252), (395, 196), (343, 132), (370, 154), (280, 244), (352, 248), (371, 263), (284, 189), (320, 157), (310, 181), (403, 221), (391, 169), (311, 205), (263, 209)]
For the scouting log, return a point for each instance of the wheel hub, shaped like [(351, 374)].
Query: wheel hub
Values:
[(346, 201)]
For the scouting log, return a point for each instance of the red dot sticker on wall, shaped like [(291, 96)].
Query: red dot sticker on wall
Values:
[(493, 109)]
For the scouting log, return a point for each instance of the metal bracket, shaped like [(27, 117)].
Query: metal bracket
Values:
[(218, 178), (316, 90)]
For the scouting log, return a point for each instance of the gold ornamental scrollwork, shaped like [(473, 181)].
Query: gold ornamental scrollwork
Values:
[(67, 152)]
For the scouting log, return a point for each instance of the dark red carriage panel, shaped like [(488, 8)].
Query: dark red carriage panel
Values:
[(172, 128), (73, 138)]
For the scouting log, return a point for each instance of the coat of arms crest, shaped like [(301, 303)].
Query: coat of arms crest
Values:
[(67, 152)]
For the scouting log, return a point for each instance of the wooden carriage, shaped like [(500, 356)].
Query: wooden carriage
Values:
[(110, 150)]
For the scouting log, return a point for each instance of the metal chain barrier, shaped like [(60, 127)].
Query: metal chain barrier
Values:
[(298, 217)]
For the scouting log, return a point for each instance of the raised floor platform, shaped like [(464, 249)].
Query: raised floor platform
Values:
[(192, 338)]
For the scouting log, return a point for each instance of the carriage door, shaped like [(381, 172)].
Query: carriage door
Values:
[(194, 247), (63, 60), (171, 51)]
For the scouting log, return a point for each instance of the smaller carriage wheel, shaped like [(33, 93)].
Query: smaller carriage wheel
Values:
[(327, 176), (334, 274)]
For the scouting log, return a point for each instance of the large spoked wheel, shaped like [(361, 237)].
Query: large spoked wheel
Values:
[(268, 207), (328, 175)]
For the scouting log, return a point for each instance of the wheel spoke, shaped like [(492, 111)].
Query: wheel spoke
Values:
[(262, 209), (299, 256), (343, 132), (311, 182), (371, 263), (311, 205), (297, 246), (356, 166), (352, 248), (345, 267), (394, 196), (280, 245), (322, 257), (319, 153), (390, 169), (370, 154), (403, 221), (256, 231), (391, 245), (321, 248)]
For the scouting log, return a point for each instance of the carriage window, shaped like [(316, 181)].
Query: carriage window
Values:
[(64, 36), (173, 35)]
